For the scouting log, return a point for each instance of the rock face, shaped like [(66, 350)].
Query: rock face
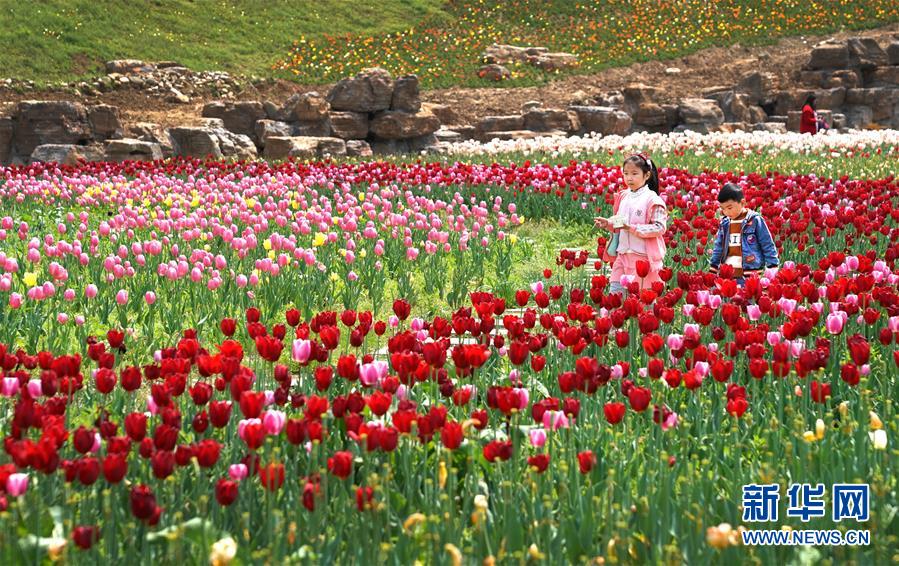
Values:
[(65, 154), (238, 117), (279, 148), (49, 122), (603, 119), (546, 120), (105, 122), (306, 107), (213, 142), (132, 150), (349, 125), (396, 125), (406, 95), (369, 91)]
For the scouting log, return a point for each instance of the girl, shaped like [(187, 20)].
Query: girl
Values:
[(639, 221)]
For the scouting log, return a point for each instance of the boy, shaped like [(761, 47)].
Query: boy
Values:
[(743, 241)]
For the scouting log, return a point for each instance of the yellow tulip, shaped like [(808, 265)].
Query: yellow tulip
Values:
[(30, 278)]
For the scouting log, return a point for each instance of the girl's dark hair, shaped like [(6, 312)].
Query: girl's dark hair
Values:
[(646, 165), (810, 101)]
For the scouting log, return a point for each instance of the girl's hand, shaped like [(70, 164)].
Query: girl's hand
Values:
[(603, 223)]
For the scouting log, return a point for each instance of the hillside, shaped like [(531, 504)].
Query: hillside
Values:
[(320, 41), (63, 40)]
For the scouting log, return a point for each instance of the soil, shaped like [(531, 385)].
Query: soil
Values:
[(701, 71)]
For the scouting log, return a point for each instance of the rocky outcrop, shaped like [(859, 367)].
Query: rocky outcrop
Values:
[(303, 147), (369, 91)]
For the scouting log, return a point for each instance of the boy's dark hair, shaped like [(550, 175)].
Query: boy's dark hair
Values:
[(646, 165), (730, 192), (810, 101)]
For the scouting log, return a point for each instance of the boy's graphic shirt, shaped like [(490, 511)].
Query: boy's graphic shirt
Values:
[(735, 245)]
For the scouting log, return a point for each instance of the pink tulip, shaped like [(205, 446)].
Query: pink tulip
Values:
[(17, 484), (238, 472), (754, 312), (9, 386), (90, 291), (150, 297), (538, 437), (62, 318), (834, 324), (301, 351), (670, 421), (121, 297), (371, 373), (554, 420), (15, 300), (273, 422), (34, 388)]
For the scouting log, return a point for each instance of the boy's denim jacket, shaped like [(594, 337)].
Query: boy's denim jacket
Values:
[(759, 250)]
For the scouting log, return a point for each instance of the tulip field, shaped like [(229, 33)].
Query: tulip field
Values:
[(391, 362)]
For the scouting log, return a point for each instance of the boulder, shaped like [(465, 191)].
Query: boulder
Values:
[(444, 113), (846, 78), (349, 125), (268, 128), (499, 53), (105, 122), (132, 150), (305, 107), (65, 154), (238, 117), (6, 130), (787, 100), (651, 115), (552, 62), (392, 124), (303, 147), (494, 72), (883, 76), (603, 119), (865, 53), (213, 142), (128, 66), (638, 93), (195, 142), (815, 79), (839, 121), (369, 91), (358, 148), (859, 117), (272, 111), (755, 86), (892, 52), (829, 56), (147, 131), (700, 111), (406, 95), (501, 123), (319, 128), (736, 107), (49, 122), (829, 98), (541, 120), (447, 135)]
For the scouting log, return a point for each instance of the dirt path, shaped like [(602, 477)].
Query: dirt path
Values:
[(697, 72)]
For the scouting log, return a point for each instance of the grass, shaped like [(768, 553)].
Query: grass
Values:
[(316, 42), (57, 40)]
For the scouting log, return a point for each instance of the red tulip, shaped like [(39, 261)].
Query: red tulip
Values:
[(614, 412), (341, 464), (498, 450), (115, 467), (586, 460), (226, 492), (272, 476), (639, 398), (451, 435), (84, 536), (539, 462)]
